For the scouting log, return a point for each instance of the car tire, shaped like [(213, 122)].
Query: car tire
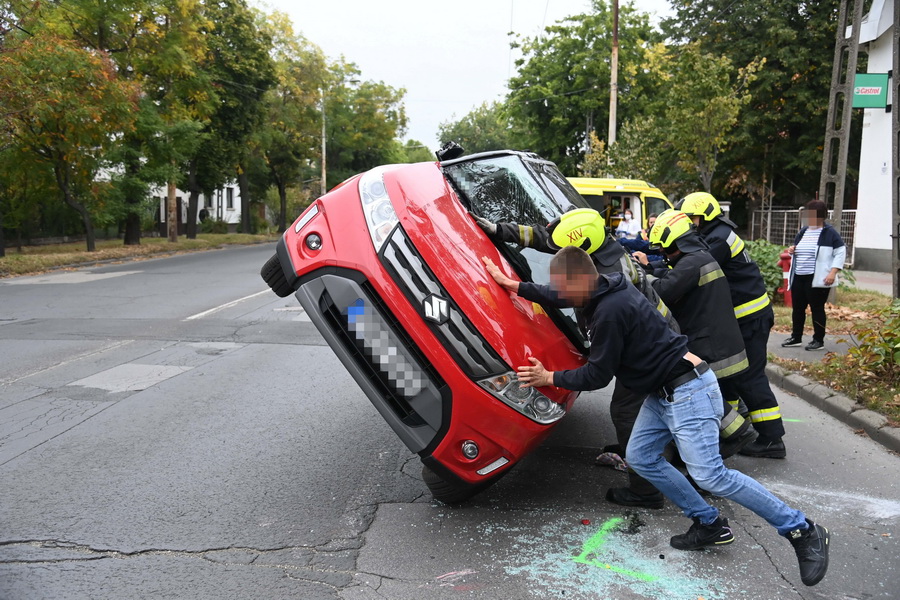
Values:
[(273, 274), (451, 492)]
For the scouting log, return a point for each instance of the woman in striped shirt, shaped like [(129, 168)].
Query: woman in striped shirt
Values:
[(818, 255)]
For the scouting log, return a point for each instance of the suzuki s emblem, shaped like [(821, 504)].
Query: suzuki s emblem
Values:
[(437, 309)]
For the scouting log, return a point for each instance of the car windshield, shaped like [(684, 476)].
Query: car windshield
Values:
[(506, 189)]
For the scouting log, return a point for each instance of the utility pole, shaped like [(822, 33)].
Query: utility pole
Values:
[(614, 77), (324, 186), (895, 145), (837, 134)]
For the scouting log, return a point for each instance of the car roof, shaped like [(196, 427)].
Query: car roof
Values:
[(492, 153), (596, 184)]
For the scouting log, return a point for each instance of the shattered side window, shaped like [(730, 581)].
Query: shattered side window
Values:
[(566, 197), (502, 190)]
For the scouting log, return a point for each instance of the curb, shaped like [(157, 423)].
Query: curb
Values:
[(837, 405)]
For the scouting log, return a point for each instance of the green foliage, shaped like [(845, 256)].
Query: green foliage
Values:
[(214, 226), (487, 127), (876, 352), (766, 255), (782, 129), (563, 80)]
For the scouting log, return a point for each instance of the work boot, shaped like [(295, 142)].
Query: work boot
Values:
[(625, 497), (736, 441), (764, 448), (791, 341), (811, 546), (717, 533)]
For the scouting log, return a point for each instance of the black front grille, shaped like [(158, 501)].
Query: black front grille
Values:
[(457, 334), (364, 359)]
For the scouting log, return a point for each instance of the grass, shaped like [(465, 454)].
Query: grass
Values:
[(855, 313), (39, 259), (852, 310)]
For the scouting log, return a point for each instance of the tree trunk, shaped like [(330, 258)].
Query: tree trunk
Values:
[(244, 187), (61, 170), (171, 213), (133, 200), (193, 195), (2, 239), (282, 213)]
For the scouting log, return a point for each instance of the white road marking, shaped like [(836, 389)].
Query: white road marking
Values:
[(64, 278), (226, 305), (131, 377), (878, 508), (75, 358)]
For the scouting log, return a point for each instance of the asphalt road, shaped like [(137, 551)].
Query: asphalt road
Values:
[(171, 429)]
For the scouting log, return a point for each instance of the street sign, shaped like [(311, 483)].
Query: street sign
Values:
[(870, 90)]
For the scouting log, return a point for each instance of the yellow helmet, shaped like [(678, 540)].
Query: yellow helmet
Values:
[(670, 225), (700, 204), (582, 227)]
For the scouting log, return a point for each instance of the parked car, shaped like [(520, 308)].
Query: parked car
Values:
[(610, 197), (388, 267)]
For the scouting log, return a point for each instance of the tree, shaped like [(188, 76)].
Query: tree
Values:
[(703, 96), (363, 119), (487, 127), (241, 70), (562, 86), (290, 139), (65, 107), (779, 136)]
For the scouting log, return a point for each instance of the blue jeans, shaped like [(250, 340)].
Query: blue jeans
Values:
[(692, 420)]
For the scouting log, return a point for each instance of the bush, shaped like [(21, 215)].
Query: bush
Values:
[(767, 255), (876, 349), (214, 226)]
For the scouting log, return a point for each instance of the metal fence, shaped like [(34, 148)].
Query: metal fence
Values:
[(781, 225)]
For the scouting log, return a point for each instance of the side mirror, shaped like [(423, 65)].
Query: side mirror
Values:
[(449, 151)]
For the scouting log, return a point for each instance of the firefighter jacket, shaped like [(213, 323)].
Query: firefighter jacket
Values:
[(748, 289), (696, 290), (610, 257)]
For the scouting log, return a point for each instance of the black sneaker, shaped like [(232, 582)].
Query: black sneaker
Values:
[(791, 341), (811, 546), (764, 449), (717, 533), (625, 497), (815, 345), (737, 440)]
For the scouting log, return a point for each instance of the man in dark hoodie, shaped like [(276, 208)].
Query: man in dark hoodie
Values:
[(631, 341), (586, 228)]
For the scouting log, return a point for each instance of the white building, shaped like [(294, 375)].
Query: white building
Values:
[(873, 215), (223, 205)]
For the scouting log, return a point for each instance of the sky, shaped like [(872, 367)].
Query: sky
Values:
[(449, 57)]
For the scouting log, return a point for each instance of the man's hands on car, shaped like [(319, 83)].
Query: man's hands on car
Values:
[(534, 375)]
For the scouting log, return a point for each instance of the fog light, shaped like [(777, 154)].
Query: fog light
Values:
[(314, 241), (470, 449)]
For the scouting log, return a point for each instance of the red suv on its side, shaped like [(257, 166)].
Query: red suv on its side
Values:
[(388, 267)]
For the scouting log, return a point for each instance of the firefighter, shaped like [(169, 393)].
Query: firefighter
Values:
[(755, 318), (694, 287), (586, 229), (630, 341)]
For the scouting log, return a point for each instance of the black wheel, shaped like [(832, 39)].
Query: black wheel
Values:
[(273, 274), (453, 492)]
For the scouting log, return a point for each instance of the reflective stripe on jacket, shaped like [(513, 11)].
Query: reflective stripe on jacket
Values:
[(696, 291), (748, 288)]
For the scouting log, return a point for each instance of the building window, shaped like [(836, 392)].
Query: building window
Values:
[(229, 198)]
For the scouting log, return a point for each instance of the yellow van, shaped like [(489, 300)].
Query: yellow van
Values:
[(612, 196)]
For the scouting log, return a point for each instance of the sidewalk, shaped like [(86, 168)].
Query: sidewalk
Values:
[(835, 404)]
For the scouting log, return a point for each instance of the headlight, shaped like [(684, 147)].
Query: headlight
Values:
[(527, 401), (376, 205)]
